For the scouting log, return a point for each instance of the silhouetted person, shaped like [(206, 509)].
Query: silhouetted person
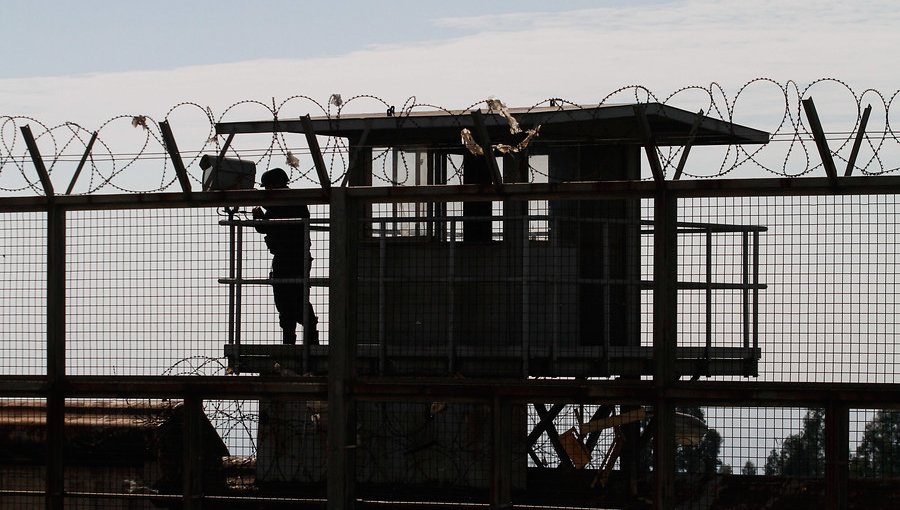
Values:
[(290, 246)]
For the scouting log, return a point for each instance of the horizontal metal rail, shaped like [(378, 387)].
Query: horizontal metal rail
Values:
[(800, 186), (746, 393)]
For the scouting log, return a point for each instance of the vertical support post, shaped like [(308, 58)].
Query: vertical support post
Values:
[(837, 446), (501, 454), (382, 306), (665, 325), (607, 295), (193, 452), (483, 139), (344, 241), (238, 291), (709, 293), (755, 290), (231, 271), (451, 288), (359, 167), (56, 354), (526, 301), (308, 337), (745, 283)]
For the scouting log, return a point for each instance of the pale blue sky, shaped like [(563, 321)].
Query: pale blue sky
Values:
[(50, 38), (89, 61)]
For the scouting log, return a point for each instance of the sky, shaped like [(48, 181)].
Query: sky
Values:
[(88, 61), (99, 63)]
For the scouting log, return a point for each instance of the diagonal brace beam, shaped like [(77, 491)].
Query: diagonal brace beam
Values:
[(688, 144), (819, 136), (860, 134), (87, 153), (553, 435), (649, 142), (38, 161), (313, 143), (172, 149)]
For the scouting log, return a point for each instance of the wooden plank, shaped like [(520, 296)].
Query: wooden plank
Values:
[(38, 161), (819, 136), (857, 143), (316, 152), (172, 148), (615, 420), (84, 157)]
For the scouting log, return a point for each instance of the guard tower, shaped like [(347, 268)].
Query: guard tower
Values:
[(513, 288), (465, 284)]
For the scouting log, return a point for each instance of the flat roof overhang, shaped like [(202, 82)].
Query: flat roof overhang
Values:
[(605, 124)]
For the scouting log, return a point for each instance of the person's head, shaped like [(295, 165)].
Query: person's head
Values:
[(274, 178)]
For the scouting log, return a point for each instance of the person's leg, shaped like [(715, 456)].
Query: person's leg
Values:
[(286, 318), (310, 328)]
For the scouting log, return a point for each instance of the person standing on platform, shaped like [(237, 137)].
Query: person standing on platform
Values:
[(290, 246)]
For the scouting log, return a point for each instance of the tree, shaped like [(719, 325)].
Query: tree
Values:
[(702, 458), (749, 468), (801, 454), (878, 453)]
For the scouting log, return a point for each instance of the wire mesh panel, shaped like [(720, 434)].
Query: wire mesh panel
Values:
[(23, 450), (488, 289), (581, 455), (752, 456), (120, 454), (828, 265), (142, 290), (23, 295), (431, 451)]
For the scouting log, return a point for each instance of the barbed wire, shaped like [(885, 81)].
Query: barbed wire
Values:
[(145, 166)]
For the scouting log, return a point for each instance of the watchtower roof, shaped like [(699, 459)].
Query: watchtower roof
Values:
[(615, 124)]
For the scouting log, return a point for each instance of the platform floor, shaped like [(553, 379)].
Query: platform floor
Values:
[(498, 362)]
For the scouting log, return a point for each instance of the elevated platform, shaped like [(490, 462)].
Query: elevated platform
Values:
[(497, 362)]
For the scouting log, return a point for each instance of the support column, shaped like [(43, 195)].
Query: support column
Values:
[(56, 354), (501, 454), (342, 352), (665, 326), (192, 453), (837, 453)]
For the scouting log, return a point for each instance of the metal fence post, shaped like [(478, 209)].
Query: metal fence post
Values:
[(192, 454), (342, 352), (837, 452), (501, 453), (56, 354), (665, 325)]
